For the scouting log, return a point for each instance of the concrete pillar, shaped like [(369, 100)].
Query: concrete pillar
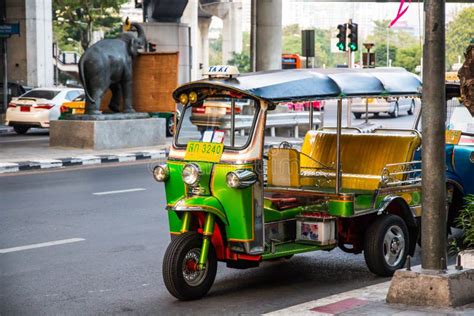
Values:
[(30, 59), (268, 34), (204, 24), (190, 17), (232, 31)]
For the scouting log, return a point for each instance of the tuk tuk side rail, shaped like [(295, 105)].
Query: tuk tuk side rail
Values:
[(399, 174)]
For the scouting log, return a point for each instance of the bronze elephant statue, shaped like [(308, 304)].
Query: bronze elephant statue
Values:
[(108, 64)]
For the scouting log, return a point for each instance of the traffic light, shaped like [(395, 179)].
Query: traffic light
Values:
[(151, 47), (341, 44), (353, 37)]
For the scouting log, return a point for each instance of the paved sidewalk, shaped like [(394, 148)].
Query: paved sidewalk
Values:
[(366, 301)]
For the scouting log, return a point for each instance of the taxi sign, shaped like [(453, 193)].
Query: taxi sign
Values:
[(200, 151), (222, 71)]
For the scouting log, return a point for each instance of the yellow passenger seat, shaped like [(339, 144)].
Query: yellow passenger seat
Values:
[(363, 157)]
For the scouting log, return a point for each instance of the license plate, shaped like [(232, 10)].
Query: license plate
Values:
[(370, 100), (25, 109), (199, 151)]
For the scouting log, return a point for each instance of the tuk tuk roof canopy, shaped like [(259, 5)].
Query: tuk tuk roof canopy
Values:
[(306, 84)]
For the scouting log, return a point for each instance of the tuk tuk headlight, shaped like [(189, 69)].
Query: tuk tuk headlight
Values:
[(191, 174), (161, 173), (240, 179)]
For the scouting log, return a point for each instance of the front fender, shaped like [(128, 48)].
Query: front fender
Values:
[(201, 204)]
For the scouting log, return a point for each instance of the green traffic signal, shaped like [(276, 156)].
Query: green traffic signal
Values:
[(341, 44), (353, 47)]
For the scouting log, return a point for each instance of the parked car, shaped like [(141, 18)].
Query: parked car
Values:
[(212, 112), (37, 107), (392, 106)]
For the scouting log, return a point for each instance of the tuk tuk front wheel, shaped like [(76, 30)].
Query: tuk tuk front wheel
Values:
[(386, 245), (181, 275)]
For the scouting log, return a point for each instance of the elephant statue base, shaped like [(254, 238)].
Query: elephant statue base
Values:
[(106, 117)]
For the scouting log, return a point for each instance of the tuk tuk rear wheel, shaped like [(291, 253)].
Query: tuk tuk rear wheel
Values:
[(180, 274), (386, 245)]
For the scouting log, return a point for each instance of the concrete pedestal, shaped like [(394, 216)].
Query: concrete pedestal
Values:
[(417, 287), (110, 134)]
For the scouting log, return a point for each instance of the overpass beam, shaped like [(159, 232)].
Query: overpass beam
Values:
[(268, 34)]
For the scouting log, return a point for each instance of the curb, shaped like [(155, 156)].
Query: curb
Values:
[(40, 164)]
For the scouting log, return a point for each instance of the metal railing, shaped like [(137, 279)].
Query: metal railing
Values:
[(404, 173)]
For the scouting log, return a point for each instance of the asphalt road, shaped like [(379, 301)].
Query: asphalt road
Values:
[(116, 268)]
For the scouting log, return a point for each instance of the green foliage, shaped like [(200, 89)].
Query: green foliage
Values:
[(75, 20), (215, 51), (458, 34), (241, 60), (408, 58), (465, 221), (381, 55)]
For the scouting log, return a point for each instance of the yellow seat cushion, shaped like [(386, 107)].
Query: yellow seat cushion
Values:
[(363, 157)]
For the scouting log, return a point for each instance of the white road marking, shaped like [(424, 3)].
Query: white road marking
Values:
[(41, 245), (119, 191)]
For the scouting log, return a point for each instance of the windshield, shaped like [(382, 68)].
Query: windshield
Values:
[(41, 94), (210, 121), (462, 120)]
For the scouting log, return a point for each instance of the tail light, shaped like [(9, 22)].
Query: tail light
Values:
[(63, 109), (11, 105), (199, 109), (44, 106), (229, 110)]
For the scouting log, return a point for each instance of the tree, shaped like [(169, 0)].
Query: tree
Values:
[(381, 55), (215, 51), (408, 58), (458, 34), (75, 20), (241, 60)]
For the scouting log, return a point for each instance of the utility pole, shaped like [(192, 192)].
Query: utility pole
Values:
[(433, 236)]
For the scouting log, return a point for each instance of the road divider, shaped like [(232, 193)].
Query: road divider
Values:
[(41, 245), (40, 163)]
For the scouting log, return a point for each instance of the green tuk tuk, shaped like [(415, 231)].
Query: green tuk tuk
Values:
[(230, 198)]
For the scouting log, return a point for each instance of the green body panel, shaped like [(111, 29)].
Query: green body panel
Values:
[(233, 206), (363, 201), (237, 203), (174, 187), (207, 203), (341, 208), (293, 248), (175, 222), (273, 214), (412, 198)]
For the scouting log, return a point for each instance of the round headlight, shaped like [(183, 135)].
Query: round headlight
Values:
[(161, 173), (193, 97), (191, 174), (183, 99), (233, 180)]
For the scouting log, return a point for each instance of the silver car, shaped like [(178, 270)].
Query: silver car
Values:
[(392, 106)]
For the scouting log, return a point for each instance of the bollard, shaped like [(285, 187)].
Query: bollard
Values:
[(458, 263), (408, 265), (443, 264)]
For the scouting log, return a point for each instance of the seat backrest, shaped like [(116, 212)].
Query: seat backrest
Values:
[(283, 167), (360, 153)]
